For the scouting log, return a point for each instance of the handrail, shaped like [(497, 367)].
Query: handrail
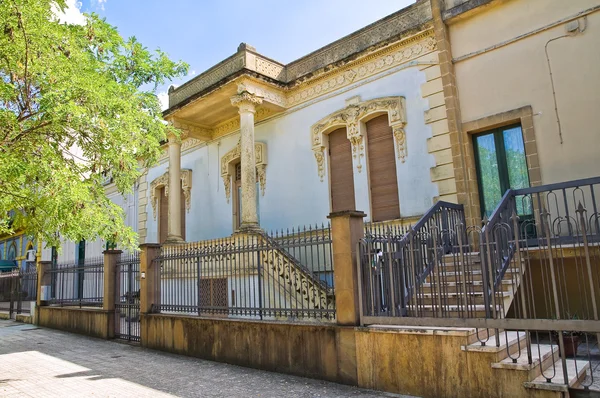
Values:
[(558, 185)]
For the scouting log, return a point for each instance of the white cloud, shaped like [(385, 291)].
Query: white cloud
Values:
[(192, 73), (99, 4), (71, 14), (163, 97)]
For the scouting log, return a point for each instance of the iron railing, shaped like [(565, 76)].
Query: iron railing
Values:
[(77, 284), (256, 276), (532, 270), (127, 304), (394, 267)]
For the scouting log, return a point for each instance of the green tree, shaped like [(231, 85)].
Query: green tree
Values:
[(76, 102)]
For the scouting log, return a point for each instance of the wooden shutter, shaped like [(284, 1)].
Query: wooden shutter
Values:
[(163, 217), (385, 204), (342, 179)]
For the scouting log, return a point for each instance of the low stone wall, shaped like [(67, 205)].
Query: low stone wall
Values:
[(88, 321), (325, 352)]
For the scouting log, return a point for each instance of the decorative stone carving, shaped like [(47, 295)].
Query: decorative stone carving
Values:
[(245, 97), (370, 65), (269, 68), (163, 181), (400, 137), (263, 91), (350, 118), (378, 32), (186, 186), (260, 153)]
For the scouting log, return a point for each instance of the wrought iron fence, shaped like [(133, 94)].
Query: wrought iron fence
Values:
[(77, 284), (18, 288), (256, 276), (127, 305), (533, 268)]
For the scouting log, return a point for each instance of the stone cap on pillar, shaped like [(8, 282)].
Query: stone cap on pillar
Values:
[(151, 245), (112, 251), (346, 213)]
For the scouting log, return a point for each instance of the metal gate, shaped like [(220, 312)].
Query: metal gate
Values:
[(127, 306), (18, 288)]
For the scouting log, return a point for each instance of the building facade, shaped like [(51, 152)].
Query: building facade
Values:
[(453, 100)]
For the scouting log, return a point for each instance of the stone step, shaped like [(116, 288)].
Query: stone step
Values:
[(542, 356), (471, 275), (507, 342), (576, 371), (472, 298), (448, 311), (507, 285), (473, 257)]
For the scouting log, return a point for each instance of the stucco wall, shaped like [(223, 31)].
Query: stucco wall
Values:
[(517, 75), (294, 194)]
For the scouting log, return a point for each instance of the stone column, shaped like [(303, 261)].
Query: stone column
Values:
[(174, 198), (347, 228), (111, 289), (246, 103)]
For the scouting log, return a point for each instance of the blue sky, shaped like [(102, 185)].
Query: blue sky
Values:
[(202, 33)]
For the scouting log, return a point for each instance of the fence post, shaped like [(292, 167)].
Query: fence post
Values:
[(111, 257), (347, 228), (149, 283), (44, 280)]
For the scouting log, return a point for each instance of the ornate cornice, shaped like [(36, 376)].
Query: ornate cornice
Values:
[(227, 160), (350, 118), (362, 69)]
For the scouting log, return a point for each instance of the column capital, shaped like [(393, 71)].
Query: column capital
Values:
[(173, 139), (246, 101)]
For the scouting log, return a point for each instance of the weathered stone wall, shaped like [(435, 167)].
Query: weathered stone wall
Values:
[(90, 322), (319, 351)]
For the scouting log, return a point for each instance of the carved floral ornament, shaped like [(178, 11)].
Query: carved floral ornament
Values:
[(350, 118), (260, 154), (163, 181)]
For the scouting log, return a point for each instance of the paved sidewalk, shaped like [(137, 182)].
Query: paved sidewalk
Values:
[(39, 362)]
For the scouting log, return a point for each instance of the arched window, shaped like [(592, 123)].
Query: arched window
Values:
[(383, 179), (12, 251)]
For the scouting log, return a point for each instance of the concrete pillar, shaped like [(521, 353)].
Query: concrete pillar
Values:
[(44, 281), (149, 277), (347, 228), (246, 103), (174, 198), (149, 284), (111, 288), (111, 285)]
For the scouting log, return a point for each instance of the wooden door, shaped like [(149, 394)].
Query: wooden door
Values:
[(383, 180), (341, 171)]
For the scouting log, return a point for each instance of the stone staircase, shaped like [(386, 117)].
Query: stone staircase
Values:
[(439, 361), (506, 352), (455, 288), (291, 278)]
